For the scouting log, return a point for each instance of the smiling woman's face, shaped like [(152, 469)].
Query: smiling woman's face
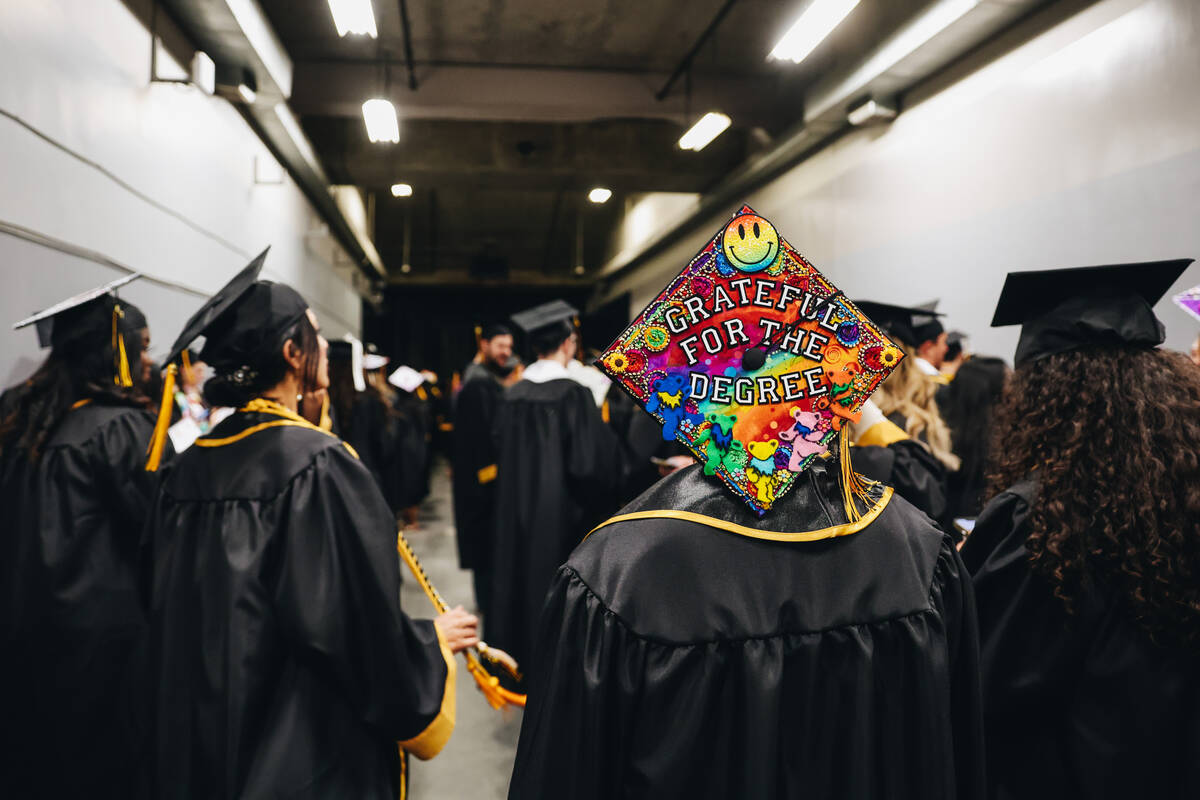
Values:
[(750, 243)]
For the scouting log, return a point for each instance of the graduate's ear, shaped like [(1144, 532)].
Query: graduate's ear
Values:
[(294, 356)]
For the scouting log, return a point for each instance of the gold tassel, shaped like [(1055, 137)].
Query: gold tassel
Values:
[(489, 685), (187, 369), (853, 484), (122, 378), (158, 440)]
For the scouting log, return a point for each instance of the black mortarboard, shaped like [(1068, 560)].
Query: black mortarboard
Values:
[(910, 324), (240, 324), (242, 320), (1060, 310), (535, 319), (85, 316)]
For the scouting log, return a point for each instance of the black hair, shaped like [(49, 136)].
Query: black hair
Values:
[(492, 331), (546, 340), (966, 405), (954, 345), (74, 371), (237, 386)]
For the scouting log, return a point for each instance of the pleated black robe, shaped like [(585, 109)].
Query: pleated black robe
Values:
[(558, 467), (474, 469), (1082, 706), (281, 664), (71, 615), (690, 649)]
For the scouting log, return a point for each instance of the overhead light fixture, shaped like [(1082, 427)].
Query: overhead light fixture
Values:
[(579, 270), (401, 190), (707, 128), (380, 117), (599, 195), (869, 112), (354, 17), (246, 92), (817, 22)]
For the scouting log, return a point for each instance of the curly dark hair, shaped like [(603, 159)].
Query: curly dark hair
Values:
[(1111, 435)]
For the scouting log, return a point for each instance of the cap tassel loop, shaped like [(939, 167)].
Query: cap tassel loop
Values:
[(158, 440), (123, 378)]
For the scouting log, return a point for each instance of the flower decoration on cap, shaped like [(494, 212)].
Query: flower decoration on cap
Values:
[(734, 361)]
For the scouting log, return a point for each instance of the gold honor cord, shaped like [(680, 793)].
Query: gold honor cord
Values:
[(495, 694)]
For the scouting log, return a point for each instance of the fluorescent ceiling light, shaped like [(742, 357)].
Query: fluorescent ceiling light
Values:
[(353, 16), (599, 195), (401, 190), (246, 92), (817, 22), (382, 124), (707, 128)]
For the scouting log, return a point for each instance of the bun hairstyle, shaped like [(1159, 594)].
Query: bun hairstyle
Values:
[(235, 385)]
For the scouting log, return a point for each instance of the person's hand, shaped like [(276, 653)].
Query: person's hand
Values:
[(459, 629), (871, 416), (311, 405), (674, 464)]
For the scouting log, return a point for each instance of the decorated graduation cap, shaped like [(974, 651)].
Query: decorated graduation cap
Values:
[(754, 361), (1189, 301), (1060, 310), (95, 316), (910, 325), (241, 324)]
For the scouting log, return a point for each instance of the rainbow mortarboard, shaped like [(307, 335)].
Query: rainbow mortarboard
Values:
[(1189, 301), (752, 359)]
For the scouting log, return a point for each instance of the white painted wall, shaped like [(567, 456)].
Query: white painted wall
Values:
[(170, 191), (1080, 147)]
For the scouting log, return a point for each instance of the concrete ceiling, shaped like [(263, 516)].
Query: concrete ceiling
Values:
[(521, 106)]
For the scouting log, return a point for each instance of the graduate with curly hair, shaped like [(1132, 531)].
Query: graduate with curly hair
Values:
[(1086, 560)]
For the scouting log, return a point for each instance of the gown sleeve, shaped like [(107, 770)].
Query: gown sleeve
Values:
[(582, 707), (121, 468), (953, 595), (910, 469), (593, 454), (338, 598), (1028, 655)]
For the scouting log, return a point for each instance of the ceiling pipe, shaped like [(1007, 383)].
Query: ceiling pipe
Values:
[(686, 63)]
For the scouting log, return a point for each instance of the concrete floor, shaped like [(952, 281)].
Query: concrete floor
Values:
[(478, 760)]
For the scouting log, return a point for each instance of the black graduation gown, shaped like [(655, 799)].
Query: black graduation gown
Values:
[(474, 470), (558, 466), (281, 664), (71, 614), (376, 433), (1082, 706), (690, 649), (418, 442), (911, 470)]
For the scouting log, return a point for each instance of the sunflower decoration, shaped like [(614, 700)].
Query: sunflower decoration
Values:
[(656, 338), (889, 356), (872, 357), (616, 362)]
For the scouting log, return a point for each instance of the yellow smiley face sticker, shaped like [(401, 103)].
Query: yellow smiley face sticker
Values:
[(750, 243)]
